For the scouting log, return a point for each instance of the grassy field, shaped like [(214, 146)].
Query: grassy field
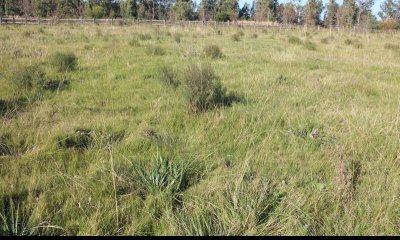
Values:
[(309, 143)]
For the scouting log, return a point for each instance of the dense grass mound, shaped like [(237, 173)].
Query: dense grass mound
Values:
[(168, 76), (29, 78), (204, 90), (212, 51), (64, 61)]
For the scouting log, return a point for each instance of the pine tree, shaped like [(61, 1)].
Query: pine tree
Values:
[(244, 12)]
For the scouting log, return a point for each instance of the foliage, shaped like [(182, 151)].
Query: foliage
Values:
[(64, 61)]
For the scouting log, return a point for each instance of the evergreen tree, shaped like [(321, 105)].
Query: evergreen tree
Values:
[(244, 12)]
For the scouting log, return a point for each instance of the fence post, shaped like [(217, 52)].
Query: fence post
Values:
[(26, 21), (165, 23), (94, 21), (112, 21), (13, 20), (1, 20), (38, 20), (81, 20)]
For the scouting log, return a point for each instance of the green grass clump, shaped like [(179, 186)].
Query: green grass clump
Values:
[(168, 76), (254, 35), (63, 61), (204, 90), (29, 78), (155, 50), (294, 40), (161, 176), (212, 51)]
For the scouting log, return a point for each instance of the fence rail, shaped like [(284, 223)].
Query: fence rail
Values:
[(132, 22), (121, 21)]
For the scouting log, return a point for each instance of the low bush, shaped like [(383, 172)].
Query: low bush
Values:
[(29, 78), (204, 90), (167, 76), (64, 61), (212, 51)]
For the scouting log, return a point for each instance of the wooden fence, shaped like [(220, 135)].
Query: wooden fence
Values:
[(120, 21), (132, 22)]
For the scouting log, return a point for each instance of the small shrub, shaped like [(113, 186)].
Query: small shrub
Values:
[(204, 90), (167, 76), (294, 40), (64, 62), (212, 51), (29, 78), (254, 35), (235, 37), (310, 45), (155, 51)]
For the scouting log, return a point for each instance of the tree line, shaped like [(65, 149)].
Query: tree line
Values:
[(349, 14)]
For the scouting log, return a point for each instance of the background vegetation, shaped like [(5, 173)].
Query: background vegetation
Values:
[(125, 130)]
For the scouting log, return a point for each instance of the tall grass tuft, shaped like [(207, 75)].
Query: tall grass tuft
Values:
[(204, 90), (161, 176), (168, 76), (212, 51), (64, 61)]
